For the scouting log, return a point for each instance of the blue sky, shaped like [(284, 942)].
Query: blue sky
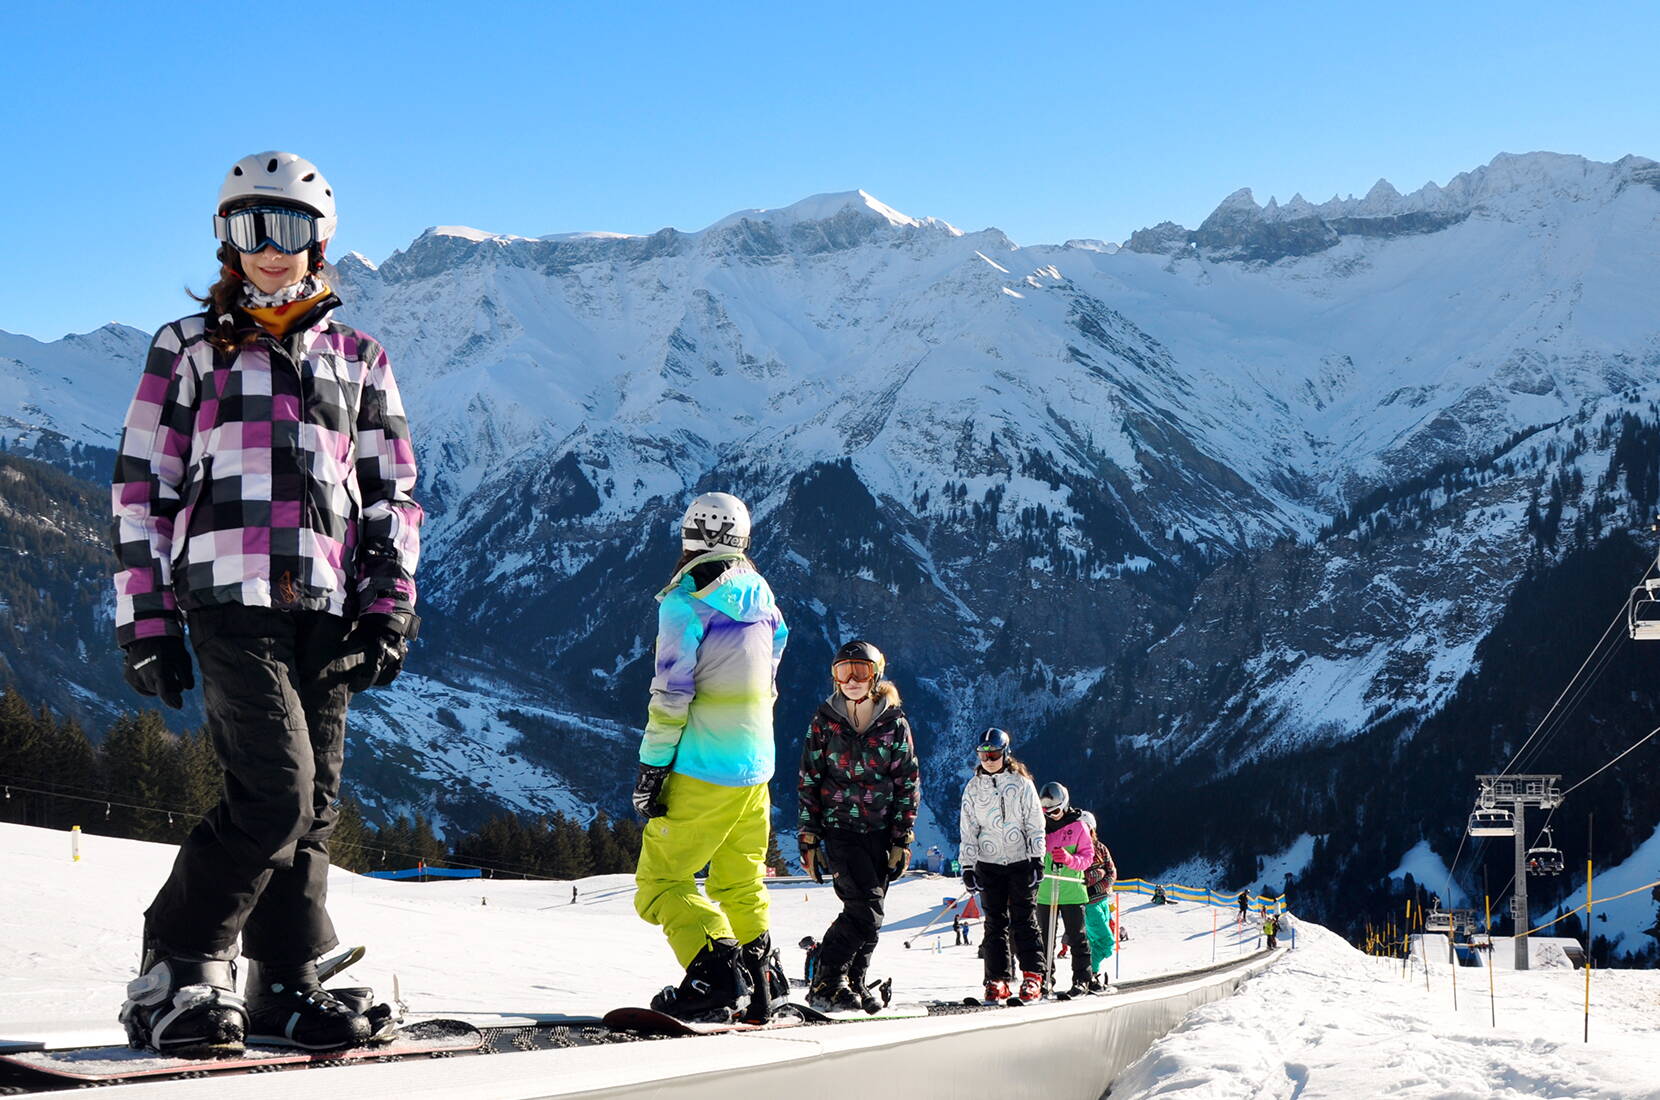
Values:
[(1049, 121)]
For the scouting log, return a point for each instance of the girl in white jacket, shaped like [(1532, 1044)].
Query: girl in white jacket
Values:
[(1002, 831)]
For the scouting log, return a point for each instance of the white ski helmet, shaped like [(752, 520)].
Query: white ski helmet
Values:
[(286, 179), (714, 521)]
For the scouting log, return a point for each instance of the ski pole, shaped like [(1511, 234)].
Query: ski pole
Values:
[(1049, 941), (950, 905)]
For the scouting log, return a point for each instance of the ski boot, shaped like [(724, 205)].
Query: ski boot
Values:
[(185, 1007), (714, 989), (872, 996), (997, 992), (1031, 986), (832, 993), (288, 1007), (769, 985)]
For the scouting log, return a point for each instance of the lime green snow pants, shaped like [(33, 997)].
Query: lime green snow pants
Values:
[(723, 827), (1098, 927)]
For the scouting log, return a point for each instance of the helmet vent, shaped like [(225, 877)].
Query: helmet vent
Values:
[(271, 165), (308, 177), (237, 170), (328, 192)]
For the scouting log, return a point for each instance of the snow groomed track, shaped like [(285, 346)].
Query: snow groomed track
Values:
[(481, 949), (1075, 1048)]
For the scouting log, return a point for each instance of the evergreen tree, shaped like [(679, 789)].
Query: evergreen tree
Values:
[(137, 754), (568, 848), (69, 759), (20, 737), (628, 835), (774, 857), (605, 854), (350, 844)]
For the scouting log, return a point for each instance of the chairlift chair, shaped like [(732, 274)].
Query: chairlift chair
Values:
[(1437, 921), (1545, 858), (1642, 616), (1492, 822)]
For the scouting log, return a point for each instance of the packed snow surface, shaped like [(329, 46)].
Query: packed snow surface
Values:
[(1323, 1021)]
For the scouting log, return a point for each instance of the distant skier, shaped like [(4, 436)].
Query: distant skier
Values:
[(1271, 928), (857, 787), (1002, 847), (704, 764), (1069, 852), (262, 499), (1244, 904)]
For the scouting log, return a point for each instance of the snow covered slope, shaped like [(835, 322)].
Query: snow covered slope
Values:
[(1324, 1021)]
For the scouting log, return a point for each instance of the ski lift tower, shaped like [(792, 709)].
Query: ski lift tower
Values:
[(1520, 792)]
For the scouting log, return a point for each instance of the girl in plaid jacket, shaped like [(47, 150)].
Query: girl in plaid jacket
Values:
[(262, 505)]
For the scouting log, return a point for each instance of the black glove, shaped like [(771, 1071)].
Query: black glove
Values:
[(1036, 878), (376, 647), (647, 788), (159, 666), (971, 880)]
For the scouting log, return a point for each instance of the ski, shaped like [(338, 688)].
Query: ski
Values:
[(901, 1011), (649, 1021), (105, 1064)]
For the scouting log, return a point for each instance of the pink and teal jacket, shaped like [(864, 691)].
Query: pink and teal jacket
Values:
[(720, 636), (278, 475), (1068, 852)]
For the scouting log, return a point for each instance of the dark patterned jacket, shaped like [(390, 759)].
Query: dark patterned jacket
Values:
[(860, 782), (275, 476)]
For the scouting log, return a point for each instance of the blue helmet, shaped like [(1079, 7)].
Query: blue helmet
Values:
[(994, 738)]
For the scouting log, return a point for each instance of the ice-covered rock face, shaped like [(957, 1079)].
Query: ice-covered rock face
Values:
[(1510, 187)]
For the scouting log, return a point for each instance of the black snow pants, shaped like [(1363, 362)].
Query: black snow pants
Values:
[(256, 866), (859, 862), (1011, 912), (1074, 936)]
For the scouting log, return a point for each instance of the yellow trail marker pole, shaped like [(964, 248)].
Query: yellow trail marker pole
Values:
[(1493, 1006), (1590, 935), (75, 844)]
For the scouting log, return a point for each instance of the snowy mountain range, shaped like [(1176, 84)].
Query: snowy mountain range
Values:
[(1245, 493)]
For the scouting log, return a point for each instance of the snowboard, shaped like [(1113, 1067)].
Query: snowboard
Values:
[(651, 1022), (118, 1063)]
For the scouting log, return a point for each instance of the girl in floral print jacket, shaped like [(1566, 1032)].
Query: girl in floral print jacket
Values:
[(858, 792)]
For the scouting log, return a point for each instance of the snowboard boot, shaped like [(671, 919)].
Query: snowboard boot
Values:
[(185, 1006), (1080, 988), (1098, 984), (997, 992), (874, 997), (1031, 986), (831, 993), (714, 989), (769, 985), (288, 1007)]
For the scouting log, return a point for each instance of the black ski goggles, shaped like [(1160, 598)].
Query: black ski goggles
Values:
[(284, 228)]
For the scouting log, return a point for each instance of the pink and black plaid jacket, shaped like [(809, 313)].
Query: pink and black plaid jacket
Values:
[(277, 476)]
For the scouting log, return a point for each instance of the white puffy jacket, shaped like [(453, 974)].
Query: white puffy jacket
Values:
[(1001, 820)]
